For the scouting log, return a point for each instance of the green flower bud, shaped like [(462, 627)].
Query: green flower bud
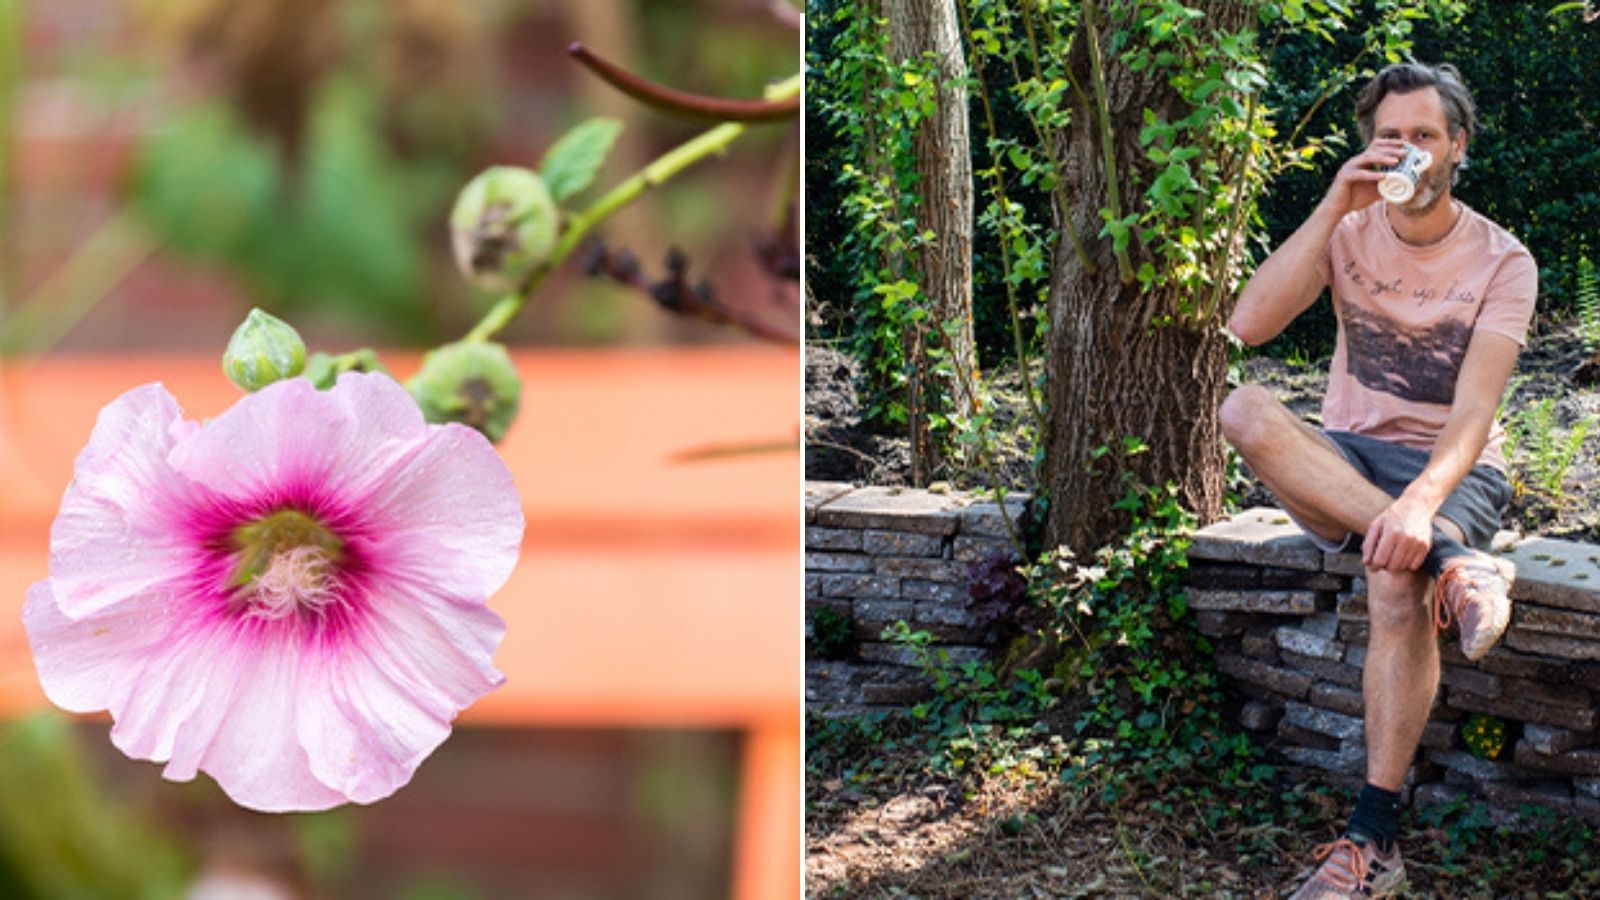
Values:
[(470, 382), (324, 370), (262, 350), (503, 225)]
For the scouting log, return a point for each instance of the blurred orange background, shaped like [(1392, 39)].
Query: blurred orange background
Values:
[(647, 740)]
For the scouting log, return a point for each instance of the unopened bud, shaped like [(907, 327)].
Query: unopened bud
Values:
[(503, 225), (262, 350), (324, 370), (470, 382)]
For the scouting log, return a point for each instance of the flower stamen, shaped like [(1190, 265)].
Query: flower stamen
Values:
[(297, 579), (286, 563)]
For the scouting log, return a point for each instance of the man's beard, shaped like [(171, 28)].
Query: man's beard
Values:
[(1431, 188)]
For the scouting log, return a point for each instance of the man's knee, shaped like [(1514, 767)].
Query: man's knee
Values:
[(1247, 415), (1397, 601)]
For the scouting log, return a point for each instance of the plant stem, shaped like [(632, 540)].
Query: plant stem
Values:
[(1235, 222), (1005, 207), (72, 291), (1107, 145), (711, 142), (10, 77)]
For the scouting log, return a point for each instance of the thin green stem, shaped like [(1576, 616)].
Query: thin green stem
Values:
[(10, 75), (1047, 145), (88, 276), (1107, 144), (976, 66), (712, 142), (1235, 222)]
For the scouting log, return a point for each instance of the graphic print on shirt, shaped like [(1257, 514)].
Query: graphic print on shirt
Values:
[(1419, 366)]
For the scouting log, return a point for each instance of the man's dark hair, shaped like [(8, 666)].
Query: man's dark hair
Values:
[(1403, 78)]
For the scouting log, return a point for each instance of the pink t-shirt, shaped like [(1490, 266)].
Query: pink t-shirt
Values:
[(1406, 315)]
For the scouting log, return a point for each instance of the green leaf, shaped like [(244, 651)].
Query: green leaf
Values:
[(570, 164)]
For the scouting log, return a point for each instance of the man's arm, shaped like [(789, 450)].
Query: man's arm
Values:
[(1399, 538), (1287, 282)]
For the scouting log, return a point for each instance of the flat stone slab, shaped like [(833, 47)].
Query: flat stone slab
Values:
[(1522, 710), (891, 509), (1305, 643), (820, 493), (1323, 721), (1551, 741), (1557, 573), (1263, 536), (1283, 603), (984, 519), (839, 539), (1552, 645), (1564, 623)]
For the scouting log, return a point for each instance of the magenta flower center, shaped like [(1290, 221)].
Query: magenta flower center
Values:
[(285, 563)]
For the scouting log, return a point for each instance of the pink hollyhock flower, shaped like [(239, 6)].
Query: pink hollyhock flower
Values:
[(290, 597)]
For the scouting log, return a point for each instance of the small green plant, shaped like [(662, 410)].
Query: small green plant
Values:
[(833, 634), (1587, 301), (977, 719), (1484, 735), (1546, 453)]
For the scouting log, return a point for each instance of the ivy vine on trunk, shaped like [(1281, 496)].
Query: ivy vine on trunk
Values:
[(1138, 357)]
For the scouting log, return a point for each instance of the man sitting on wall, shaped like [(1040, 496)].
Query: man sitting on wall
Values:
[(1433, 302)]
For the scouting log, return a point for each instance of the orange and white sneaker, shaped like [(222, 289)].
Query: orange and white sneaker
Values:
[(1352, 868), (1475, 592)]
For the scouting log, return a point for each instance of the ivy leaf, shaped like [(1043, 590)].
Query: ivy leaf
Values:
[(1206, 89), (570, 164)]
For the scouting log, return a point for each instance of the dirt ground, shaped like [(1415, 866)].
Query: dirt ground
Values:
[(1001, 836)]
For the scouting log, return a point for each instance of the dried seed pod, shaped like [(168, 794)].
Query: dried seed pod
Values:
[(470, 382), (504, 224)]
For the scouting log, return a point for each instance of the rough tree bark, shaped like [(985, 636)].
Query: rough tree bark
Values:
[(1111, 373), (919, 28)]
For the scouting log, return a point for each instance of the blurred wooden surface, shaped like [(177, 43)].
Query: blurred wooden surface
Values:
[(654, 590)]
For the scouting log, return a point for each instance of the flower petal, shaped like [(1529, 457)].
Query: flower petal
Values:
[(84, 664), (449, 515), (216, 697), (290, 437), (114, 536), (383, 701), (248, 742)]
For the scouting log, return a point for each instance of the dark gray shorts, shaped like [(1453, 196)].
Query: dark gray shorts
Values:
[(1475, 506)]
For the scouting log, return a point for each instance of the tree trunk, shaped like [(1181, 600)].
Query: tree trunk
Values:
[(1113, 374), (919, 28)]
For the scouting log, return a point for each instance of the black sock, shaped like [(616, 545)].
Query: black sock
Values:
[(1376, 817), (1444, 547)]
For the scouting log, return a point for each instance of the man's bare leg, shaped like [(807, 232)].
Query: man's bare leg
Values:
[(1401, 673), (1315, 482), (1307, 474)]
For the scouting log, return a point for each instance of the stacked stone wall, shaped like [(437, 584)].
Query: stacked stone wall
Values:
[(1288, 623), (876, 556)]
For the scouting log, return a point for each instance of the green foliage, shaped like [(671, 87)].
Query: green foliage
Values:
[(1484, 735), (1132, 698), (341, 230), (1540, 450), (832, 634), (571, 163), (60, 835), (1149, 698), (869, 108), (977, 719), (1587, 302)]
